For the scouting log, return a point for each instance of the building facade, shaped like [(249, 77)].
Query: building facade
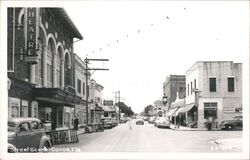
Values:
[(96, 97), (172, 85), (213, 92), (41, 65)]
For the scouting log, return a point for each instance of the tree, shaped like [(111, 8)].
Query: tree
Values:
[(125, 109)]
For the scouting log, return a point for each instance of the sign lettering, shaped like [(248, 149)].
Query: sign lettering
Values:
[(31, 30)]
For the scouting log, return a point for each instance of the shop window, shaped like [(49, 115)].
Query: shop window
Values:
[(60, 117), (230, 83), (106, 114), (212, 84), (210, 110)]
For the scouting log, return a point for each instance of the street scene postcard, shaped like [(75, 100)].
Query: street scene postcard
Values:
[(124, 80)]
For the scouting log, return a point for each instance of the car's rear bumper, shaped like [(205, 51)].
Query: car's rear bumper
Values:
[(163, 125)]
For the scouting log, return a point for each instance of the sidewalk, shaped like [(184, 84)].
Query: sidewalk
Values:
[(183, 128)]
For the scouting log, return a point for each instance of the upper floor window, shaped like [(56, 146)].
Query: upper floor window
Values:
[(79, 83), (191, 88), (188, 89), (212, 84), (194, 83), (230, 84), (83, 88)]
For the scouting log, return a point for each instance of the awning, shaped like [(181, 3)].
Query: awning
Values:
[(171, 112), (178, 111), (187, 108)]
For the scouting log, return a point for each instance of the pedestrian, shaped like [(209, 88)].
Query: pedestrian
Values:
[(177, 121), (76, 122)]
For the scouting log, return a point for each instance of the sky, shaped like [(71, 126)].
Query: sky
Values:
[(145, 41)]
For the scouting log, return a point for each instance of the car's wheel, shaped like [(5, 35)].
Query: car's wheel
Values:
[(229, 127)]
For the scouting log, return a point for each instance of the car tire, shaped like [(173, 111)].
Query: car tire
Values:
[(230, 127)]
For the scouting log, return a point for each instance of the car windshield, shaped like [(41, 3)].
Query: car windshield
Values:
[(11, 126)]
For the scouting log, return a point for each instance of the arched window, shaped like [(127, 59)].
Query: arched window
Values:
[(67, 70), (58, 66), (49, 62)]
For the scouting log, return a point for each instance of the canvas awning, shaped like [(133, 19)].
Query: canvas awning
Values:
[(171, 112), (187, 108), (178, 111)]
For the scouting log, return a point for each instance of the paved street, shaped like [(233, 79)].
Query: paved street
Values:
[(147, 137)]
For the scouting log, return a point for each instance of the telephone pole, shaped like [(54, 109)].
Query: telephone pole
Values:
[(87, 86)]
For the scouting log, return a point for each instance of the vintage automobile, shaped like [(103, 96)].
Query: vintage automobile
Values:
[(162, 122), (234, 124), (151, 120), (107, 122), (25, 134), (139, 122)]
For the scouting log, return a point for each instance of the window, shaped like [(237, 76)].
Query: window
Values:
[(34, 125), (191, 88), (79, 87), (60, 118), (24, 127), (210, 110), (83, 88), (230, 84), (188, 89), (194, 83), (212, 84)]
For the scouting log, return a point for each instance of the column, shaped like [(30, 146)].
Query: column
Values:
[(44, 70), (62, 74), (54, 84), (32, 74)]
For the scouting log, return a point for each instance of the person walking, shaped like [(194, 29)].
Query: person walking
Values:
[(76, 122)]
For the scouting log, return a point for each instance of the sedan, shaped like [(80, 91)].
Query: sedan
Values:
[(139, 122), (27, 133), (234, 124), (163, 122)]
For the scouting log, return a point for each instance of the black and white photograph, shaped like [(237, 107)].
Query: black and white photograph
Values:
[(124, 79)]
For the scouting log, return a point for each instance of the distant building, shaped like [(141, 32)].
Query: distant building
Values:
[(213, 92), (96, 109), (172, 85)]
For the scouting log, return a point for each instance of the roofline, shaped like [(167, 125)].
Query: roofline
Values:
[(69, 22)]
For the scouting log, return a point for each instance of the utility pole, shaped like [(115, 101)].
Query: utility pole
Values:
[(86, 73), (119, 98)]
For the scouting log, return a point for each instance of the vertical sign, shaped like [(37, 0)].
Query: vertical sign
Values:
[(32, 31)]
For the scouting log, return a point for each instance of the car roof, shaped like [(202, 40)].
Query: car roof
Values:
[(22, 119)]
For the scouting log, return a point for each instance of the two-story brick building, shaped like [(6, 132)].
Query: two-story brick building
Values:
[(41, 66)]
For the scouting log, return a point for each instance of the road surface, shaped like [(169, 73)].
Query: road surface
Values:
[(148, 138)]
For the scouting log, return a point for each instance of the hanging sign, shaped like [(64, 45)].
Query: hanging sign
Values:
[(32, 28)]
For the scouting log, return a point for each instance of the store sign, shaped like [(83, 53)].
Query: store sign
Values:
[(228, 110), (238, 110), (32, 35), (108, 103)]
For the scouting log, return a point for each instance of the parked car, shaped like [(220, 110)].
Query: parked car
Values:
[(234, 124), (145, 118), (151, 120), (27, 133), (107, 122), (139, 122), (163, 122)]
